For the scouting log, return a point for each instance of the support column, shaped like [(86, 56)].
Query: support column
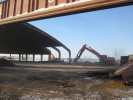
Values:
[(10, 56), (58, 52), (22, 56), (33, 57), (49, 57), (19, 57), (26, 57), (68, 52), (41, 57), (49, 54)]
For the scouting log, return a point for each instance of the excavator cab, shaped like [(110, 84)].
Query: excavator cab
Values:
[(103, 58)]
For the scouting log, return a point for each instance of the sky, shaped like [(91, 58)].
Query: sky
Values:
[(109, 32), (2, 0)]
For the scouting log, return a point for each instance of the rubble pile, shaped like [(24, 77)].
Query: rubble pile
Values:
[(125, 71), (4, 62)]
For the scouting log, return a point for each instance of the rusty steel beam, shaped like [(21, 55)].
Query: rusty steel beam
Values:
[(29, 10)]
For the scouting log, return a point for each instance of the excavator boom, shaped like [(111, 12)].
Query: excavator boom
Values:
[(80, 53), (87, 48), (102, 58), (93, 51)]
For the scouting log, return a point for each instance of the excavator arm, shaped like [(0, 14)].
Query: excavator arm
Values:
[(93, 51), (102, 58), (80, 53), (53, 57), (87, 48)]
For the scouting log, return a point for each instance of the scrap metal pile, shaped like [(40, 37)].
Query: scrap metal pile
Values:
[(126, 71)]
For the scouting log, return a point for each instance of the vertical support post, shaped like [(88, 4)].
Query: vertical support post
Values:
[(26, 57), (68, 52), (69, 56), (41, 57), (50, 57), (10, 56), (19, 57), (22, 56), (33, 57), (58, 52)]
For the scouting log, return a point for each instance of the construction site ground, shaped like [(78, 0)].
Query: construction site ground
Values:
[(39, 81)]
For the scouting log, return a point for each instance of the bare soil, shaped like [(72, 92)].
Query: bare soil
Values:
[(58, 82)]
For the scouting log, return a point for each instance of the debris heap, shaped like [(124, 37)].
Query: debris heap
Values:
[(4, 62)]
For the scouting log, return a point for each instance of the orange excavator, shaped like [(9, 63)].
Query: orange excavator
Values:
[(53, 58), (102, 58)]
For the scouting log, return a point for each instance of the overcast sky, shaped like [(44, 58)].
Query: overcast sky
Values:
[(106, 31)]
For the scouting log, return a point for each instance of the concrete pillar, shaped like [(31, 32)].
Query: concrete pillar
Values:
[(41, 57), (33, 57), (50, 57), (26, 57), (69, 56), (19, 57), (22, 56), (58, 52), (69, 53), (10, 56)]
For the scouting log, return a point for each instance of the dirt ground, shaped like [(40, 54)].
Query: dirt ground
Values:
[(59, 82)]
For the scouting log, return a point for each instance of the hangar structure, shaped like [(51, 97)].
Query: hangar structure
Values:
[(24, 38), (19, 37)]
